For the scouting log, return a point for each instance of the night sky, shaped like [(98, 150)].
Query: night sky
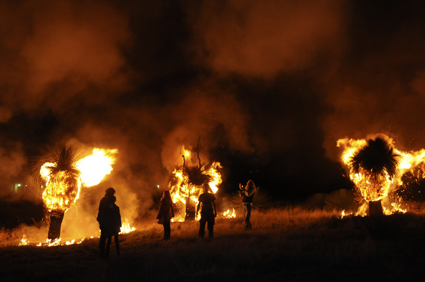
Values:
[(269, 86)]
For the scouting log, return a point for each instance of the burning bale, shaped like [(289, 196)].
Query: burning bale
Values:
[(376, 168), (64, 172)]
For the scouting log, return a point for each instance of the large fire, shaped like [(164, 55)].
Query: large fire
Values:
[(185, 194), (63, 189), (375, 187)]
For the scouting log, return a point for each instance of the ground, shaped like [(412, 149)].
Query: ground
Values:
[(290, 244)]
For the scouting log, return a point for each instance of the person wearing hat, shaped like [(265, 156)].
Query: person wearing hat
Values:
[(106, 220)]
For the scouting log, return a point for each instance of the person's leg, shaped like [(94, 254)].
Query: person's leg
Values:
[(211, 226), (202, 226), (108, 244), (117, 243), (167, 229), (102, 243), (248, 216)]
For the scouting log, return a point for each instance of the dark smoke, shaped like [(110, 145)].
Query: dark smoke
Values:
[(269, 87)]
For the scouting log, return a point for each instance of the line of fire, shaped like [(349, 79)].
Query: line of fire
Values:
[(380, 173), (62, 173)]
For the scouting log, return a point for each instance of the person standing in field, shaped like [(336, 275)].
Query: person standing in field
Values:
[(115, 226), (247, 194), (109, 219), (206, 203), (165, 213)]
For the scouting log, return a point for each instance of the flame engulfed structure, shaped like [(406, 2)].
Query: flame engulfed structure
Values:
[(66, 175), (187, 186), (376, 172)]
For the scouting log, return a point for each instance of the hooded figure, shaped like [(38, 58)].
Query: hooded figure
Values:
[(109, 219)]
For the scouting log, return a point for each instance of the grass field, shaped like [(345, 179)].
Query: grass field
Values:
[(290, 244)]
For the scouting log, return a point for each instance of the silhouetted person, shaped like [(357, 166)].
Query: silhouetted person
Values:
[(166, 212), (109, 218), (206, 202), (247, 194)]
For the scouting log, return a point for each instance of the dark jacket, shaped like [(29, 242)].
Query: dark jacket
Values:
[(110, 218)]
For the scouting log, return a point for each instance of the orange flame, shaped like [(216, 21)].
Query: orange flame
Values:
[(126, 228), (375, 188), (182, 188), (62, 189)]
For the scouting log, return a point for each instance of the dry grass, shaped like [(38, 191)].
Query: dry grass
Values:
[(291, 244)]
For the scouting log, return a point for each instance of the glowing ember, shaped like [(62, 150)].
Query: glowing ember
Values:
[(125, 229), (24, 241), (229, 214), (376, 187)]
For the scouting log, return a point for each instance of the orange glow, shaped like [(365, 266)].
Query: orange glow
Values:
[(126, 228), (373, 187), (229, 214), (96, 166), (182, 188), (63, 189)]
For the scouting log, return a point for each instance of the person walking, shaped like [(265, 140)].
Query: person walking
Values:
[(247, 194), (109, 219), (165, 213), (206, 203)]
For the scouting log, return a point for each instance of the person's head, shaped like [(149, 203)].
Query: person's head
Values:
[(166, 195), (113, 199), (250, 185), (206, 187), (110, 191)]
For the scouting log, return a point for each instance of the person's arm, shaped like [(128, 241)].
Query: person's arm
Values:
[(215, 209), (197, 206)]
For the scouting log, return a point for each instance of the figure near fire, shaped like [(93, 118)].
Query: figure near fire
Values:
[(206, 203), (165, 213), (247, 194), (109, 219)]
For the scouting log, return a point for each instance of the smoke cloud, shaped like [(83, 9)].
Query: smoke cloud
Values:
[(263, 39), (269, 87)]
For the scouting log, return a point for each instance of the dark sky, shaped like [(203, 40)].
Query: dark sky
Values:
[(270, 86)]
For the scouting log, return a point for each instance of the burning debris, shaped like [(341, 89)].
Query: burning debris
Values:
[(376, 168), (64, 172)]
